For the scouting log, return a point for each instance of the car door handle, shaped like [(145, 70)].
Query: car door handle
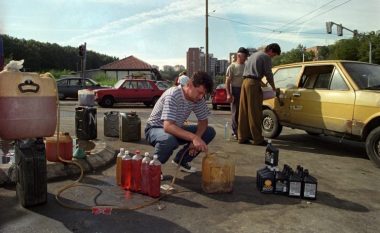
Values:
[(296, 94)]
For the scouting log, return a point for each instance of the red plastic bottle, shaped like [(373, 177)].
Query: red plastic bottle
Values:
[(145, 174), (126, 171), (136, 172), (154, 177)]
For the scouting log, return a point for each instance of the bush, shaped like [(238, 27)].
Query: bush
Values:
[(58, 73), (105, 80)]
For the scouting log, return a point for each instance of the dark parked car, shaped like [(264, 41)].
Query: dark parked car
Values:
[(129, 91), (69, 86), (219, 97)]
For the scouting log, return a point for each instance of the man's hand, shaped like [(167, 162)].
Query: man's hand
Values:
[(192, 150), (230, 98), (197, 145)]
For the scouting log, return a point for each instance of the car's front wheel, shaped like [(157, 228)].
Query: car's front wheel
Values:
[(270, 124), (372, 146), (107, 102)]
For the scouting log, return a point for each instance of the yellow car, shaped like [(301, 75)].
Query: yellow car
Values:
[(337, 98)]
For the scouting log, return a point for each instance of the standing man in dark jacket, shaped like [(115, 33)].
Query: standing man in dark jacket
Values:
[(258, 65)]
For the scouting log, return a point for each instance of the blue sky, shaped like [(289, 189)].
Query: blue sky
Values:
[(160, 31)]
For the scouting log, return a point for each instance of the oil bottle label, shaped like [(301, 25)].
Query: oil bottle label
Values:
[(295, 189), (268, 186), (310, 190), (281, 186)]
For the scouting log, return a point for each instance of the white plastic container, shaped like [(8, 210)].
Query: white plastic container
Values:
[(86, 98)]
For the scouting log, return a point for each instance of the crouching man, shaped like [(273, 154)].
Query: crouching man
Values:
[(165, 129)]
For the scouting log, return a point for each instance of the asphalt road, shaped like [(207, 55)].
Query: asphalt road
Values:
[(348, 198)]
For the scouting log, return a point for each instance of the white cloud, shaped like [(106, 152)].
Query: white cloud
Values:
[(163, 30)]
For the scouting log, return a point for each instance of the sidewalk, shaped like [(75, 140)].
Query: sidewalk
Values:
[(98, 155)]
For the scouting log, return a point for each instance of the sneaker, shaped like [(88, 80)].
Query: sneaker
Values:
[(185, 167), (234, 137)]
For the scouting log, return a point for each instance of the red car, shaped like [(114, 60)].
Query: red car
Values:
[(219, 97), (129, 91)]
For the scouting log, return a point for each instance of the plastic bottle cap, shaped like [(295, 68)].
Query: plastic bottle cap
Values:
[(146, 154), (137, 151), (155, 156)]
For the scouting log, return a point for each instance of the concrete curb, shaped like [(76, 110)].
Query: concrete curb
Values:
[(101, 156)]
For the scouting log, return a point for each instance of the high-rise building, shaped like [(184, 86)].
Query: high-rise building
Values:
[(221, 67), (193, 61), (212, 65)]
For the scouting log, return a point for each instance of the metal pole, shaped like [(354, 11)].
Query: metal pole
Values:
[(1, 54), (370, 52), (84, 63), (206, 56)]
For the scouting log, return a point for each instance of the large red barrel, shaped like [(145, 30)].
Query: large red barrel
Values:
[(28, 105)]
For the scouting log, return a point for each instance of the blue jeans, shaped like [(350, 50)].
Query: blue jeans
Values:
[(165, 143)]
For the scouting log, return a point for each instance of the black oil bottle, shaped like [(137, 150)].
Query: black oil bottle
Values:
[(295, 184), (310, 184), (271, 154), (266, 184), (282, 180), (259, 174)]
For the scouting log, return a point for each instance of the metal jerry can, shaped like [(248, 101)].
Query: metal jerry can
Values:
[(85, 123), (111, 124), (129, 127), (31, 175)]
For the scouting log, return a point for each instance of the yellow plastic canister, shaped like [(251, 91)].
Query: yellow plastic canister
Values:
[(218, 173)]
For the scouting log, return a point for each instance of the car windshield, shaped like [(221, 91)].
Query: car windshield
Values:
[(221, 86), (119, 83), (366, 76), (163, 85)]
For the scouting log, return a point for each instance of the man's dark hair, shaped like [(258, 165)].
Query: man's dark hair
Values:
[(274, 47), (201, 78)]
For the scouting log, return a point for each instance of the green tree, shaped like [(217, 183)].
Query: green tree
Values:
[(295, 55), (41, 57)]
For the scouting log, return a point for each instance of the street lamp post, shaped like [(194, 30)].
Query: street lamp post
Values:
[(370, 52), (206, 32)]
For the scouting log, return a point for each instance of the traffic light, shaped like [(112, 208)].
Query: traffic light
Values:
[(82, 50), (339, 29), (328, 27)]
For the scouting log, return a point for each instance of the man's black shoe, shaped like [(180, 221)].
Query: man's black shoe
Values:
[(243, 141), (185, 167), (263, 143)]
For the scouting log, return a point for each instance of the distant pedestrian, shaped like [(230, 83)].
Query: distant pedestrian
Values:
[(183, 79), (234, 80), (176, 81), (258, 65)]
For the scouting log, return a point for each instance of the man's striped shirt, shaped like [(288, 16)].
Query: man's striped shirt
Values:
[(173, 106)]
